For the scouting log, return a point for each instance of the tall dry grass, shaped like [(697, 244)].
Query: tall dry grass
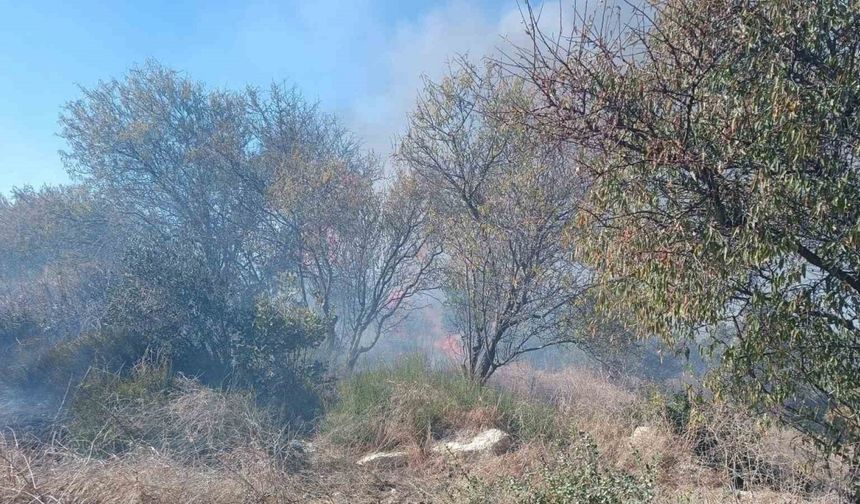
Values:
[(576, 433), (410, 404)]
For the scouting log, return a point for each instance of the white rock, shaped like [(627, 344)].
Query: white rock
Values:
[(489, 442), (384, 459)]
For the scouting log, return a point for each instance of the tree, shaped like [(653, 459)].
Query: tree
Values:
[(364, 252), (360, 249), (176, 161), (722, 137), (502, 198), (320, 200), (390, 259), (312, 175), (266, 196)]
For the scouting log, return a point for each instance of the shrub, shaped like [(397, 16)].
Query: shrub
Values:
[(106, 410), (747, 450), (580, 476), (411, 403), (751, 451), (674, 408), (269, 349), (150, 408), (170, 301), (52, 368), (274, 358)]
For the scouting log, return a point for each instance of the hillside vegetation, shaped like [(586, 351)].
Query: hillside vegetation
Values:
[(128, 440), (630, 244)]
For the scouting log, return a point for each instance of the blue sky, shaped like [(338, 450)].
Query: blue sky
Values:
[(360, 58)]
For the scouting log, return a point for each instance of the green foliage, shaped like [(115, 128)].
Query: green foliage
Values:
[(275, 359), (676, 408), (581, 477), (410, 402), (279, 332), (722, 137)]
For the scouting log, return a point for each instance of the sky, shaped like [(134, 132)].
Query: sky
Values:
[(361, 59)]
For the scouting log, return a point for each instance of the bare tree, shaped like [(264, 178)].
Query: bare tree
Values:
[(390, 259), (305, 159), (318, 200), (360, 249), (504, 198)]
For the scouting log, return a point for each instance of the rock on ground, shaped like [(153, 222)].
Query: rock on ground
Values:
[(385, 460), (489, 442)]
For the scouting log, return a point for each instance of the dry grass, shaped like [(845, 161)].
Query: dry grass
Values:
[(719, 445), (585, 400), (201, 445), (410, 404), (63, 476)]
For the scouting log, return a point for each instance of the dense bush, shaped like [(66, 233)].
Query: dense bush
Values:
[(164, 304), (167, 302), (276, 359), (167, 298)]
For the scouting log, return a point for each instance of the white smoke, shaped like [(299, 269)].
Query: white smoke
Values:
[(426, 48)]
